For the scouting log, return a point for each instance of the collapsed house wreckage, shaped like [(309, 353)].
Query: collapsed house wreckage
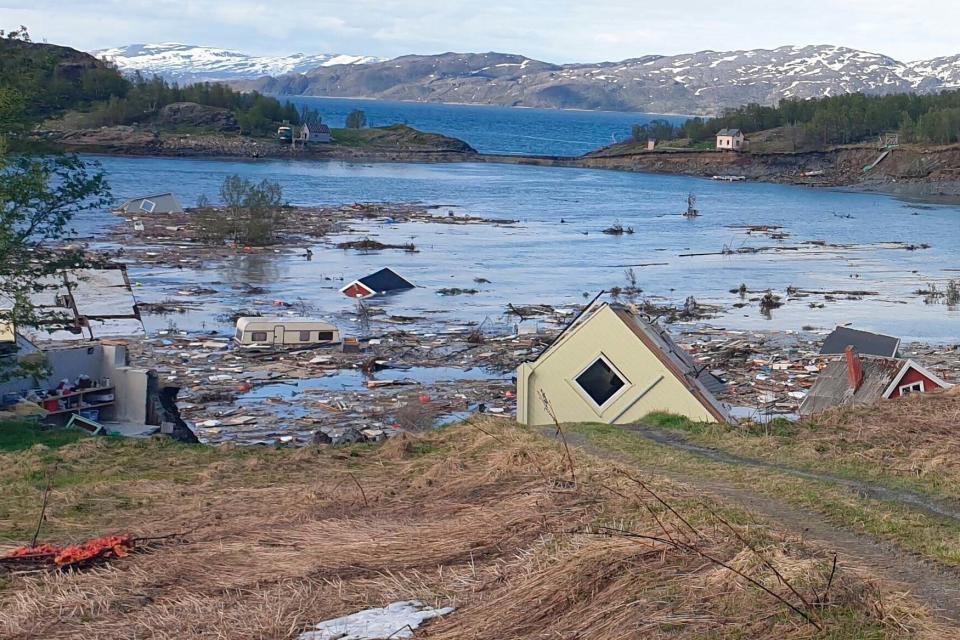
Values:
[(415, 372), (335, 389), (75, 367), (859, 380)]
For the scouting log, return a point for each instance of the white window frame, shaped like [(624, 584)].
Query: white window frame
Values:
[(600, 408), (148, 205), (907, 389)]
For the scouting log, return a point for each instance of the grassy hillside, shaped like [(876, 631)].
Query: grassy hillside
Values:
[(43, 81), (39, 80), (868, 469), (483, 516), (911, 442)]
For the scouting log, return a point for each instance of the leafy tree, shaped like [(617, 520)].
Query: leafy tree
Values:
[(38, 199), (356, 119), (844, 119), (251, 214), (39, 196), (655, 129)]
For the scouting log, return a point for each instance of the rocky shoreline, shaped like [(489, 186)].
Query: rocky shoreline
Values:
[(930, 174), (391, 144)]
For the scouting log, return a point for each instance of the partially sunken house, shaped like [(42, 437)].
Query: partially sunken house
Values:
[(862, 380), (612, 366), (160, 203), (383, 281), (866, 343)]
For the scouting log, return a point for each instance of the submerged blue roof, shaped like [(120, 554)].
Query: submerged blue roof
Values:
[(385, 280)]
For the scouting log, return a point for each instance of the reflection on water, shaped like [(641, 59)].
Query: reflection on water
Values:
[(253, 270)]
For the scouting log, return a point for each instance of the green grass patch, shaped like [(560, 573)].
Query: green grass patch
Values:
[(932, 537), (792, 444), (671, 421), (18, 436)]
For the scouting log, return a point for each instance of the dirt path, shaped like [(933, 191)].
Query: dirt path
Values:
[(937, 586), (931, 506)]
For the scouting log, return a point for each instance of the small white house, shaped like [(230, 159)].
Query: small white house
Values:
[(160, 203), (730, 140), (315, 133), (284, 332)]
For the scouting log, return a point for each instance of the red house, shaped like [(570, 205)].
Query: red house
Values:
[(383, 281), (860, 380)]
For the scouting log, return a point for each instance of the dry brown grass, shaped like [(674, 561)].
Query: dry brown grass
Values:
[(913, 436), (472, 516)]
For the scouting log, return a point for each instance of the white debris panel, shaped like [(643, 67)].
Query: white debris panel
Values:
[(397, 620)]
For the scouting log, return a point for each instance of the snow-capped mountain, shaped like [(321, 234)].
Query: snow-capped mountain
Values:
[(705, 82), (186, 63), (946, 70)]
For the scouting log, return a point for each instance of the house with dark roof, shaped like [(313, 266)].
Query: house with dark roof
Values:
[(380, 282), (863, 379), (159, 203), (611, 365), (730, 140), (866, 343), (315, 132)]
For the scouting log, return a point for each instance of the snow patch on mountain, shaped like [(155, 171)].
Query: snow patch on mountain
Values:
[(190, 63)]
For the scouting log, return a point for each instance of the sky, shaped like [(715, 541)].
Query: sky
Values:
[(551, 30)]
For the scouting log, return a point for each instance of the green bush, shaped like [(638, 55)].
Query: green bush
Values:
[(251, 214)]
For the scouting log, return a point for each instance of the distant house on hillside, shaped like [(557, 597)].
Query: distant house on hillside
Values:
[(730, 140), (315, 133), (160, 203), (613, 366), (862, 380)]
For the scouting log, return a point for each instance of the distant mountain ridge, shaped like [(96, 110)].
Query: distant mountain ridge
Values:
[(705, 82), (186, 63)]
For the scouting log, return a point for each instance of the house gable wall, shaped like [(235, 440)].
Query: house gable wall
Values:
[(357, 290), (912, 376), (604, 333)]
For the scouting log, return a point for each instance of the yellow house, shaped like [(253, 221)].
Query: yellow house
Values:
[(614, 367), (7, 333)]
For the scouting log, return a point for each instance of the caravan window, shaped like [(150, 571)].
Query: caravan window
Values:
[(259, 336), (304, 336), (325, 335), (600, 381)]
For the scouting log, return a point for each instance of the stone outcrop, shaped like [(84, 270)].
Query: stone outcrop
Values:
[(196, 116)]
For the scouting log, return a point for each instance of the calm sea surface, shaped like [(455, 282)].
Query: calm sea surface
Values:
[(557, 253), (493, 129)]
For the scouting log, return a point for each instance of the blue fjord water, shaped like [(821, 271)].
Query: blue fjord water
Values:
[(490, 129), (557, 253)]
